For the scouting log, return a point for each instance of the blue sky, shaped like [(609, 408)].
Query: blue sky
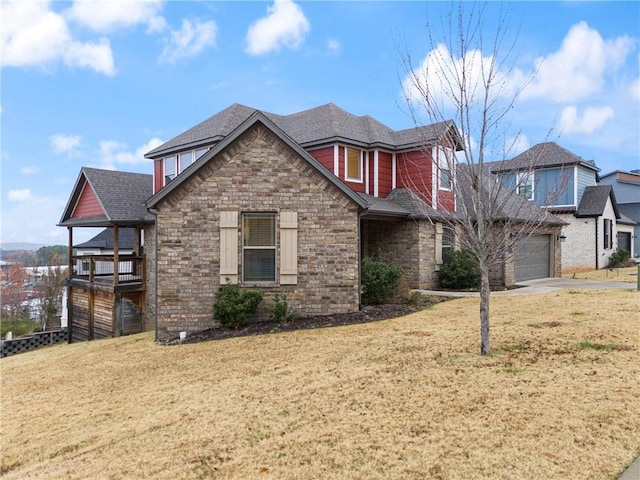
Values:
[(101, 83)]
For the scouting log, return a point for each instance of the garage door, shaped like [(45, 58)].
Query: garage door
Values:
[(532, 258)]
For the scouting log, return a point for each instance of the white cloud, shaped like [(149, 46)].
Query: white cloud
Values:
[(65, 143), (19, 195), (579, 67), (284, 26), (589, 122), (438, 78), (33, 35), (333, 46), (113, 153), (19, 224), (189, 41), (29, 170), (106, 16)]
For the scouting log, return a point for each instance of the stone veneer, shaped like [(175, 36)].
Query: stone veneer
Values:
[(256, 173)]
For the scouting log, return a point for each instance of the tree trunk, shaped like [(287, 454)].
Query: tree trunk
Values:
[(485, 291)]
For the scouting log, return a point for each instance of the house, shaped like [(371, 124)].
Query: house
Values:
[(566, 185), (101, 245), (284, 204), (626, 186)]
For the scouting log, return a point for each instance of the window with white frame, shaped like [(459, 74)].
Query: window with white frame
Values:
[(353, 162), (170, 169), (447, 241), (524, 185), (608, 233), (259, 247), (176, 164), (445, 163)]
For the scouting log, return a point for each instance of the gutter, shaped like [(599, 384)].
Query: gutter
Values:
[(154, 212)]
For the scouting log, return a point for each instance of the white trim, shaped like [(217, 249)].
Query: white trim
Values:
[(365, 155), (336, 160), (434, 177), (376, 173), (393, 171), (575, 187)]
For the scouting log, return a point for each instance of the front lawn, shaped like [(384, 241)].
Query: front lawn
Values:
[(406, 398)]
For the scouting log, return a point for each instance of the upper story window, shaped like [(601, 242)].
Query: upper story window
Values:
[(353, 161), (446, 161), (176, 164), (170, 169), (524, 185), (259, 247)]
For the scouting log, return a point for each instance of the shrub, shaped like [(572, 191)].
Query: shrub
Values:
[(380, 281), (460, 270), (281, 311), (619, 258), (234, 307)]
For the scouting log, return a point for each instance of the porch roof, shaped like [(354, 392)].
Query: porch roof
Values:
[(120, 195)]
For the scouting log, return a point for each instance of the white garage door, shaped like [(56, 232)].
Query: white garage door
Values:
[(533, 258)]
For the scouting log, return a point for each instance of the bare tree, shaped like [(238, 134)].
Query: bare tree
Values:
[(50, 289), (474, 82)]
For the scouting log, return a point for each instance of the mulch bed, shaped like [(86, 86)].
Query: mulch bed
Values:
[(368, 313)]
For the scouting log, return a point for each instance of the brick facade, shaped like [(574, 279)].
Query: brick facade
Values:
[(255, 173)]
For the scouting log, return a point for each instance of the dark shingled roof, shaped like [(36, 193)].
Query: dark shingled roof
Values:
[(104, 240), (317, 126), (630, 210), (508, 205), (122, 196), (594, 201), (548, 154)]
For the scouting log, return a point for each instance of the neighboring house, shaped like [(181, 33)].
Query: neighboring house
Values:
[(287, 205), (100, 248), (626, 186), (567, 185)]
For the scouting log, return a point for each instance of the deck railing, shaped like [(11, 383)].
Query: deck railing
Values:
[(102, 268)]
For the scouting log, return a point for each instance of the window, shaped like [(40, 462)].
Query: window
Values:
[(169, 169), (608, 233), (259, 247), (445, 161), (184, 160), (524, 185), (447, 242), (353, 164)]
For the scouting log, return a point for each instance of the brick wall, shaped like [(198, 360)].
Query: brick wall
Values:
[(579, 247), (410, 244), (256, 173)]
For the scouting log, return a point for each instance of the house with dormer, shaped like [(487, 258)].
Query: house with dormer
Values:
[(287, 204), (554, 178)]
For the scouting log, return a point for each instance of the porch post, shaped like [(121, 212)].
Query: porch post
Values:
[(116, 259), (69, 290)]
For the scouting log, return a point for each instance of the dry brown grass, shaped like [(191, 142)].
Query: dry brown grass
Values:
[(627, 274), (407, 398)]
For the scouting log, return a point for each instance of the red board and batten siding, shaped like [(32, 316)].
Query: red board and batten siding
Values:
[(385, 174), (88, 204), (158, 176), (446, 200), (325, 156), (414, 171)]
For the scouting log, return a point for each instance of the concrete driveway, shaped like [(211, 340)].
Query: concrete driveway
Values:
[(542, 285)]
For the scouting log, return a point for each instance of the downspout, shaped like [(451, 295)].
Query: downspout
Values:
[(596, 222), (154, 212), (360, 214)]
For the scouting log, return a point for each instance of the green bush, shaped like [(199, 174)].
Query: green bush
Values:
[(380, 281), (460, 270), (234, 307), (281, 311), (19, 326), (619, 258)]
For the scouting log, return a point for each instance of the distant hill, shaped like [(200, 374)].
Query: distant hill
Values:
[(20, 246)]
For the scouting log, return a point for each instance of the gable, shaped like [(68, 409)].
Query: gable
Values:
[(88, 204)]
